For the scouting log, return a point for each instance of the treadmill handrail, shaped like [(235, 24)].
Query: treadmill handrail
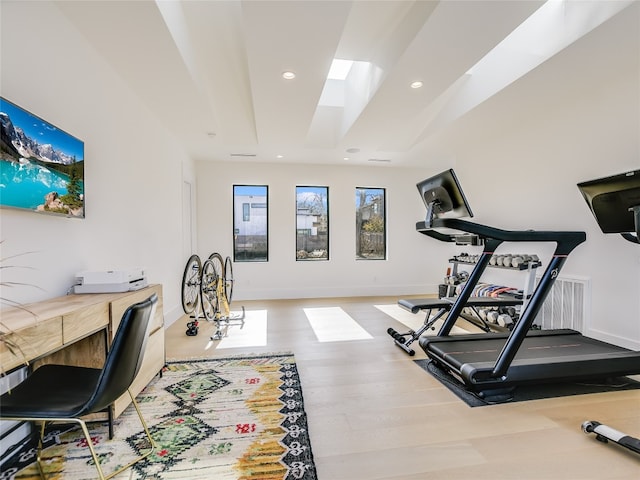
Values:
[(566, 240)]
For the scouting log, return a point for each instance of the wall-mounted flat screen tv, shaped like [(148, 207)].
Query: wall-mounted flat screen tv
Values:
[(41, 166)]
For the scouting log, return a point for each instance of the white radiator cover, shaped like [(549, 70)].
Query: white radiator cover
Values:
[(566, 304)]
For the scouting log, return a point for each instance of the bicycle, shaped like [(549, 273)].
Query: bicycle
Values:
[(207, 289)]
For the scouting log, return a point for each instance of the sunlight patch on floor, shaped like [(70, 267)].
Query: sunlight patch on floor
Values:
[(413, 321), (333, 324), (252, 334)]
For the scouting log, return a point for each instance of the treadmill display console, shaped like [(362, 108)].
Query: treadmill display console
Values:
[(614, 201), (443, 197)]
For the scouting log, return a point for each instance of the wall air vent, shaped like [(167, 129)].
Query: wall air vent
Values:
[(566, 304), (382, 160)]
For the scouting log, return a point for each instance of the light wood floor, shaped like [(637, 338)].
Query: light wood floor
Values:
[(374, 414)]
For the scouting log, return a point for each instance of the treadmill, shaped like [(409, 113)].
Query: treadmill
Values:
[(492, 364)]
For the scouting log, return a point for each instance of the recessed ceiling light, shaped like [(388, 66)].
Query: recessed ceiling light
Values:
[(288, 75), (279, 156), (346, 158), (417, 84)]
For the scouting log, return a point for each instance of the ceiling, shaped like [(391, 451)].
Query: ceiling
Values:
[(211, 71)]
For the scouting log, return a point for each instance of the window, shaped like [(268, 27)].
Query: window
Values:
[(312, 223), (250, 223), (371, 228)]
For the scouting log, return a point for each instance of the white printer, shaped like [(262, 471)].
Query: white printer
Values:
[(110, 281)]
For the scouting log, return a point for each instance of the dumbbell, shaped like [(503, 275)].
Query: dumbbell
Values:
[(504, 320), (517, 260), (511, 311)]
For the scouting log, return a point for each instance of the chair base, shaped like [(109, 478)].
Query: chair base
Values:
[(87, 436)]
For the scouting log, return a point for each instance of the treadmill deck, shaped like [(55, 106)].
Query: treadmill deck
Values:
[(545, 355)]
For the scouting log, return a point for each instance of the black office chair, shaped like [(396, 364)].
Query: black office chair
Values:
[(64, 393)]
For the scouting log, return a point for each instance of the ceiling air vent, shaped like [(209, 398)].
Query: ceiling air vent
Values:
[(243, 154), (383, 160)]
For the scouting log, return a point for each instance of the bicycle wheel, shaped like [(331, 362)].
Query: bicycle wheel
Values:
[(228, 279), (218, 264), (208, 289), (191, 284)]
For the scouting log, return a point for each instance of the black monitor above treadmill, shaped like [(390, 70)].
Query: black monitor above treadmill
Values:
[(443, 197), (615, 203)]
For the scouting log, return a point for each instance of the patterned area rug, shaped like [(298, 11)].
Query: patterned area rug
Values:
[(232, 418)]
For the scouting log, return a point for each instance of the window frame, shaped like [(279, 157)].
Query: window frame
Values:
[(247, 218), (325, 203), (358, 233)]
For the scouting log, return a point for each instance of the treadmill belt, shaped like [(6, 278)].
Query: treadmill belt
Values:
[(538, 347)]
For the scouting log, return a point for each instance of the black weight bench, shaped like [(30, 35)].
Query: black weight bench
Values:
[(443, 305)]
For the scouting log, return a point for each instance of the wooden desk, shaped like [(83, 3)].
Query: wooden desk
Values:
[(77, 330)]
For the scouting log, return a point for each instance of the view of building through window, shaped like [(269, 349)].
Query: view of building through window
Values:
[(251, 213), (371, 241), (250, 223), (312, 223)]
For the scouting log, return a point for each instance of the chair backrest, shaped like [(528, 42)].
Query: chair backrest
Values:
[(125, 354)]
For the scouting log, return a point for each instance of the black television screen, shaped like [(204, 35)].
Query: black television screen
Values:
[(443, 197), (611, 199), (41, 166)]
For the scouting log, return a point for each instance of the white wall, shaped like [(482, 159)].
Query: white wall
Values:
[(133, 169), (415, 264)]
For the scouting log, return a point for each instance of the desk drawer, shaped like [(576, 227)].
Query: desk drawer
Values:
[(35, 341), (119, 306), (83, 321)]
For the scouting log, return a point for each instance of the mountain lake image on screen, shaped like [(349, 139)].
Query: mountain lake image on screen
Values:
[(41, 166)]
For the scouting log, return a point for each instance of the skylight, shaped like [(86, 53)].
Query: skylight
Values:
[(339, 69)]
